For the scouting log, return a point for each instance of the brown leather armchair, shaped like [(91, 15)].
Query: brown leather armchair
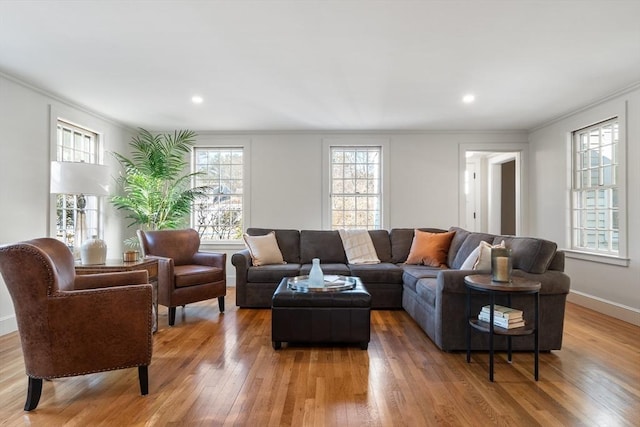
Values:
[(185, 275), (73, 325)]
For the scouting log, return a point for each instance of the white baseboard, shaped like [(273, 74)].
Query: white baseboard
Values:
[(619, 311), (8, 324)]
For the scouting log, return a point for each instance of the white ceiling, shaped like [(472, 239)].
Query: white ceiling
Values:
[(325, 65)]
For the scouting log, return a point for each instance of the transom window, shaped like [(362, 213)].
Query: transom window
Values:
[(596, 189), (219, 216), (356, 198), (77, 215)]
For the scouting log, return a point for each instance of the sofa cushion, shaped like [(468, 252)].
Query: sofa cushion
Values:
[(412, 273), (323, 244), (382, 243), (457, 241), (430, 248), (471, 243), (264, 249), (427, 289), (288, 242), (272, 273), (529, 254), (385, 272), (328, 268), (358, 247), (401, 239)]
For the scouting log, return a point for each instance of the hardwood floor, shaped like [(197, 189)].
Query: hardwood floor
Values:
[(211, 369)]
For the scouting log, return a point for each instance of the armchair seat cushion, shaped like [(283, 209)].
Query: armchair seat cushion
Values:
[(189, 275)]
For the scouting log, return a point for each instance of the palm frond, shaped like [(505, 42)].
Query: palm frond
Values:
[(155, 188)]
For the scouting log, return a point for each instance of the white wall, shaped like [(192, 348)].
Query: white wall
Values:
[(612, 289), (286, 175), (25, 141)]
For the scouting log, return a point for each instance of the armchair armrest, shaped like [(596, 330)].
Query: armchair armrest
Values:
[(165, 278), (103, 327), (104, 280), (211, 259)]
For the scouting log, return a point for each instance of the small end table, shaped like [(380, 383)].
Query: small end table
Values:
[(118, 265), (517, 285)]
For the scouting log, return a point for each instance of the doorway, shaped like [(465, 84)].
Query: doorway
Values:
[(492, 192)]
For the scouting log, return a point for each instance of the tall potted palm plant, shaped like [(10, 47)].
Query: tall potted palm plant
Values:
[(155, 185)]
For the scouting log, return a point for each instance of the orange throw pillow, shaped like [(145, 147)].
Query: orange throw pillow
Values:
[(430, 248)]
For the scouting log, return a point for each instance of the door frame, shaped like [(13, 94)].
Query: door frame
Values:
[(522, 208)]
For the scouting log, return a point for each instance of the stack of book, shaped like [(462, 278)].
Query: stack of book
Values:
[(503, 317)]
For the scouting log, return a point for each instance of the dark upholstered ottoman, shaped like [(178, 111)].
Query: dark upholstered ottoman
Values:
[(321, 317)]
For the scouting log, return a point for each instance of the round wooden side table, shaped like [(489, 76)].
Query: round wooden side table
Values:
[(518, 285)]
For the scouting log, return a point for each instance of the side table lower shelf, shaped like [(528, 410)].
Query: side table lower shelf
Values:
[(482, 283)]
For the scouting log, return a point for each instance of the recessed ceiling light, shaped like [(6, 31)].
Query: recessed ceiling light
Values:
[(197, 99), (469, 98)]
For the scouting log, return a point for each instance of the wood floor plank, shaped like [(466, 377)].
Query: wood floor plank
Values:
[(212, 369)]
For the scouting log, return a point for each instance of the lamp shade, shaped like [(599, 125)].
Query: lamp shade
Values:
[(79, 178)]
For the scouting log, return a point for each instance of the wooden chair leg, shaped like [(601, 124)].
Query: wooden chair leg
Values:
[(172, 316), (221, 304), (33, 393), (143, 377)]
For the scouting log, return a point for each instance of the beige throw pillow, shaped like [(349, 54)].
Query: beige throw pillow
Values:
[(264, 250), (359, 247), (484, 256)]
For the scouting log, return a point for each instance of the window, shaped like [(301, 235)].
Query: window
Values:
[(596, 189), (219, 216), (356, 197), (77, 215)]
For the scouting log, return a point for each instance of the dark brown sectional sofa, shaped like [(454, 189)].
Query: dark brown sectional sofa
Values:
[(434, 297)]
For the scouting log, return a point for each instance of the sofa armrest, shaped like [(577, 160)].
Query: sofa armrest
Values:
[(452, 281), (241, 261), (105, 280), (553, 282)]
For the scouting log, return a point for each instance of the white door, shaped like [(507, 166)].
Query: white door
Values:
[(472, 178)]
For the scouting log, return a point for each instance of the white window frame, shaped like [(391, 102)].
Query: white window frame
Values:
[(94, 209), (204, 142), (327, 144), (601, 114)]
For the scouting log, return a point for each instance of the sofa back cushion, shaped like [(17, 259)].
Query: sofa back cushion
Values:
[(471, 240), (323, 244), (381, 242), (557, 262), (456, 243), (401, 239), (288, 242), (529, 254)]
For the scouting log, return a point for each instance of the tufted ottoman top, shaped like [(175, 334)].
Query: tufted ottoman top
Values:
[(356, 297)]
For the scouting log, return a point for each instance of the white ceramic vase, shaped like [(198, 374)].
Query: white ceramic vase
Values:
[(93, 251)]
